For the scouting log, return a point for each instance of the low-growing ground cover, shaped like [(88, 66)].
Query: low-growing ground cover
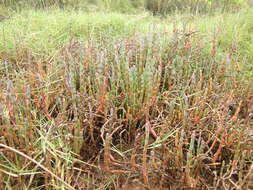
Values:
[(116, 101)]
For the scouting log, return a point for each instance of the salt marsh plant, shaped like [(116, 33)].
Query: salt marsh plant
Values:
[(123, 101)]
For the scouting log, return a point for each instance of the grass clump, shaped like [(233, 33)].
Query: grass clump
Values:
[(119, 102), (26, 30), (157, 7)]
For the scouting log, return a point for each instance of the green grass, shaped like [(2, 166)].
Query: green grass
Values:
[(116, 101), (47, 31)]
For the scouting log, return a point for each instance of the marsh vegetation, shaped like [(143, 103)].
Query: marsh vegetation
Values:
[(126, 94)]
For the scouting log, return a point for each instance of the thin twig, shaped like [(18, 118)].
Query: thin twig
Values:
[(38, 164)]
